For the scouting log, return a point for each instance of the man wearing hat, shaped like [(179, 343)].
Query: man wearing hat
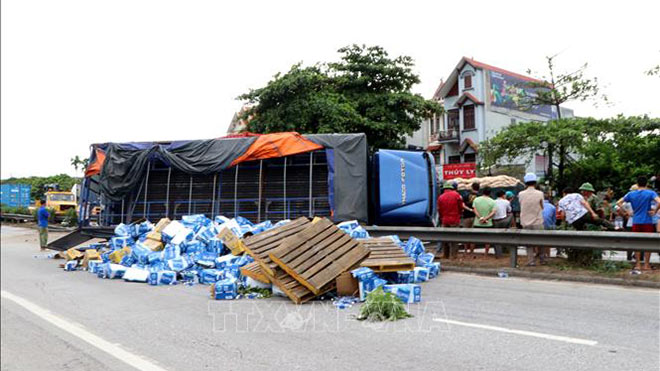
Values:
[(450, 207), (588, 192), (578, 212)]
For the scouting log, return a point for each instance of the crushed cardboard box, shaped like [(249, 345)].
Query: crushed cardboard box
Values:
[(90, 254)]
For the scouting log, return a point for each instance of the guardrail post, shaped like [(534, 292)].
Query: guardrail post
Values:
[(513, 252)]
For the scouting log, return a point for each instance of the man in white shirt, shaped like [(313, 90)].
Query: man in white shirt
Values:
[(577, 211), (502, 217)]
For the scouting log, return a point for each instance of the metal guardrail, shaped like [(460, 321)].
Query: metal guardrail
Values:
[(16, 217), (624, 241)]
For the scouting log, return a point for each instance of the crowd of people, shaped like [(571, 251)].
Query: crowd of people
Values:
[(637, 211)]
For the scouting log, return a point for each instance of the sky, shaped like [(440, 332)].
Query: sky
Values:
[(81, 72)]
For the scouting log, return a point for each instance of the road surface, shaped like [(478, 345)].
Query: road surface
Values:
[(58, 320)]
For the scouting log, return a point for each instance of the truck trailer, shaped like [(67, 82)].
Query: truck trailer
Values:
[(260, 177)]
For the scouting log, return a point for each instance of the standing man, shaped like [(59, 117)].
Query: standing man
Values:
[(549, 218), (42, 222), (531, 215), (549, 213), (502, 217), (450, 207), (484, 210), (641, 201), (468, 213)]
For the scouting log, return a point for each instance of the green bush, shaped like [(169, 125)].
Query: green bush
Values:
[(70, 218), (15, 210), (382, 306)]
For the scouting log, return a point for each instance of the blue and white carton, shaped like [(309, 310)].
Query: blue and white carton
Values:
[(408, 293), (225, 289), (162, 278), (209, 276), (71, 265), (421, 274)]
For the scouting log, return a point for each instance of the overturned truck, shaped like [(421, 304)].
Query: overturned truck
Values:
[(260, 177)]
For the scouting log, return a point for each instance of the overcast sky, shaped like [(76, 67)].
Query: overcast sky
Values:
[(82, 72)]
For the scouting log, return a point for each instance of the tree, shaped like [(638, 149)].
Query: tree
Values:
[(526, 139), (366, 91), (76, 162), (608, 153), (37, 183), (654, 71), (558, 89)]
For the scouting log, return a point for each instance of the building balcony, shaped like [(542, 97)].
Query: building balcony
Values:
[(445, 136)]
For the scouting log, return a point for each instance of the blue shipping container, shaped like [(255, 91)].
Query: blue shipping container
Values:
[(15, 195)]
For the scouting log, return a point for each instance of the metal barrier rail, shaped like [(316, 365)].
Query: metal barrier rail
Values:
[(17, 217), (624, 241)]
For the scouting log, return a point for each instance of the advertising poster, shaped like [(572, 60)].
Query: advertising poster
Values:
[(508, 91)]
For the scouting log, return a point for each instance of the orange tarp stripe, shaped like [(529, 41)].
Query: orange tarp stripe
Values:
[(95, 167), (277, 145)]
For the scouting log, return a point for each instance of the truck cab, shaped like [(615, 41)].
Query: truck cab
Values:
[(404, 188), (61, 202)]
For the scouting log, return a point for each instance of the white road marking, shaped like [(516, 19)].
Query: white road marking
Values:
[(565, 339), (76, 330)]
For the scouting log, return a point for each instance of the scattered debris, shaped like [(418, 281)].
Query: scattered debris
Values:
[(299, 259)]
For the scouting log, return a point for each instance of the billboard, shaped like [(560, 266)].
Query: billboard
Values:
[(507, 91), (465, 170)]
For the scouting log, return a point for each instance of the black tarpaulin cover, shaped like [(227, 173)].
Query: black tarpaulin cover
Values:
[(125, 164)]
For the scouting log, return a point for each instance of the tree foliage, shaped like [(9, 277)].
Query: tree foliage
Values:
[(78, 162), (65, 182), (555, 90), (608, 153), (366, 91), (560, 88)]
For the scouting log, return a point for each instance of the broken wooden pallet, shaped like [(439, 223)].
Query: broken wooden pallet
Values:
[(385, 255), (260, 245), (254, 271), (298, 293), (318, 254)]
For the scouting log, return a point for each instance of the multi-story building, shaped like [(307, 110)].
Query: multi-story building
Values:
[(479, 100)]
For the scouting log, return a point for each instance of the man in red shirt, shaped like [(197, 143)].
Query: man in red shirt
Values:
[(450, 207)]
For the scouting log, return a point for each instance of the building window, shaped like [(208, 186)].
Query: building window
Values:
[(470, 157), (452, 119), (455, 159), (437, 156), (467, 81), (468, 117)]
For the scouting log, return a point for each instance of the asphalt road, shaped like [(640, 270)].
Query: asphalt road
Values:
[(58, 320)]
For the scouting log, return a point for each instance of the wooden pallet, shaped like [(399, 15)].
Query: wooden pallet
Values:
[(386, 255), (254, 271), (260, 245), (293, 289), (318, 254)]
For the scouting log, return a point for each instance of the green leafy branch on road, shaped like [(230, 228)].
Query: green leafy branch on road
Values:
[(382, 306)]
